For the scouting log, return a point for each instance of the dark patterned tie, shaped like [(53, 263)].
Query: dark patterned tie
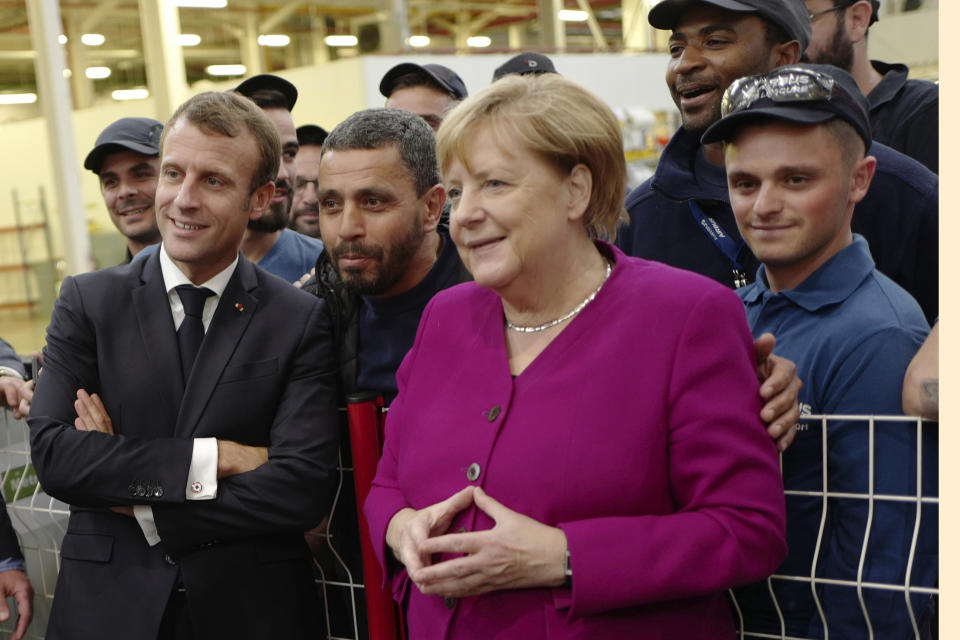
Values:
[(190, 333)]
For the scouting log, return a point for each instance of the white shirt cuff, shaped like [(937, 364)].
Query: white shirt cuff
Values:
[(144, 515), (13, 373), (202, 476)]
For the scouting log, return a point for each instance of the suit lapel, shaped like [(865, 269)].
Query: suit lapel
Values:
[(236, 308), (159, 337)]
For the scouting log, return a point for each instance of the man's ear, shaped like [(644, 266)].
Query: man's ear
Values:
[(260, 199), (785, 53), (579, 189), (857, 20), (861, 176), (433, 200)]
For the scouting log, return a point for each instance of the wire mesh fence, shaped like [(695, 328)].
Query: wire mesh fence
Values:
[(862, 517), (829, 589), (39, 520)]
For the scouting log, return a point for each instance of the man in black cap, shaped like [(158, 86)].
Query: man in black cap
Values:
[(305, 209), (904, 113), (268, 242), (794, 143), (525, 64), (428, 90), (681, 215), (125, 158)]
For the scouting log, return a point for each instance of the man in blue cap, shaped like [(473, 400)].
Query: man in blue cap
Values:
[(125, 158), (681, 215), (794, 143)]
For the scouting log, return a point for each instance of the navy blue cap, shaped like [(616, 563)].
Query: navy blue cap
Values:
[(445, 77), (136, 134), (269, 81), (523, 64), (844, 101), (790, 15)]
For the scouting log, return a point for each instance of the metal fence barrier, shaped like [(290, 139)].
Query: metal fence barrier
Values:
[(356, 607), (886, 513)]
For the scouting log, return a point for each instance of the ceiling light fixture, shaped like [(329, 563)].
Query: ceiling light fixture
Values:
[(201, 4), (18, 98), (341, 41), (188, 39), (273, 40), (418, 41), (226, 70), (130, 94), (97, 73), (572, 15), (92, 39), (478, 41)]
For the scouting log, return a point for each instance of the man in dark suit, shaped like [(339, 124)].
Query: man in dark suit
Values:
[(224, 457)]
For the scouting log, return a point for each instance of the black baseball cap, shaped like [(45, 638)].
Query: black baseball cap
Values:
[(523, 64), (802, 93), (269, 81), (445, 77), (311, 134), (790, 15), (136, 134)]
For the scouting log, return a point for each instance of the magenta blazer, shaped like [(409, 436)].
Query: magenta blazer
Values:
[(636, 431)]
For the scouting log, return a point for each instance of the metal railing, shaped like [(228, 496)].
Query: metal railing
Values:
[(341, 561)]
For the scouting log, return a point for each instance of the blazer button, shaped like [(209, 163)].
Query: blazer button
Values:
[(168, 559), (473, 472), (158, 492), (493, 413), (450, 603)]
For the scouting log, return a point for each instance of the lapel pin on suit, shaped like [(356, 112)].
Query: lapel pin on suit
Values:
[(238, 306)]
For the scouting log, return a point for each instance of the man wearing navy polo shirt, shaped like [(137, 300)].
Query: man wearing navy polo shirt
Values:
[(795, 141)]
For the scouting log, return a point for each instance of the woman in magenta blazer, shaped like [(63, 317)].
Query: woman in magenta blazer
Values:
[(575, 450)]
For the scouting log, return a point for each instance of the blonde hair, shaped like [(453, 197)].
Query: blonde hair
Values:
[(557, 119)]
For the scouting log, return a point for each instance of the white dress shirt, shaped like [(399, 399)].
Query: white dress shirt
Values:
[(202, 475)]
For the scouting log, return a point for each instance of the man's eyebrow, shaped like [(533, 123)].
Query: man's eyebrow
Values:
[(705, 31), (736, 174), (142, 166), (379, 192)]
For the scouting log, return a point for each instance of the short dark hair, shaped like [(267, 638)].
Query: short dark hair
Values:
[(308, 135), (417, 79), (379, 128), (775, 34), (226, 113)]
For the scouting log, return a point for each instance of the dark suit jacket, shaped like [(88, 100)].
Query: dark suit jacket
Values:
[(265, 375)]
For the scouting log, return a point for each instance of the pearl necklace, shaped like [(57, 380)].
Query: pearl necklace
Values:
[(564, 317)]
